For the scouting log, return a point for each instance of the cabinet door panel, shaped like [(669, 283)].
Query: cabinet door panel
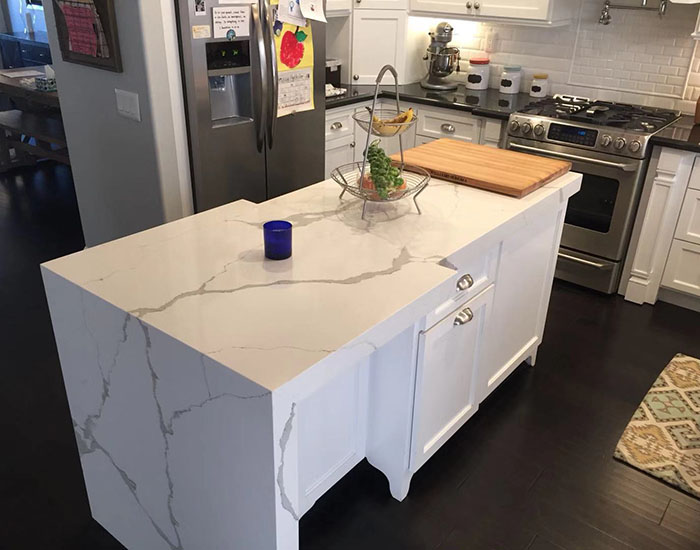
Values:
[(378, 38), (683, 268), (516, 9), (523, 284), (381, 4), (456, 7), (339, 152), (688, 227), (446, 385)]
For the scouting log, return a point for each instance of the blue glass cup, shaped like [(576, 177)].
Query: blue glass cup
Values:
[(278, 239)]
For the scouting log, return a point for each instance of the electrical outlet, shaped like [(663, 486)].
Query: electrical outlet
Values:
[(490, 41), (128, 104)]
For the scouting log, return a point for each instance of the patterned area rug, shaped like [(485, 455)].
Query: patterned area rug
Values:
[(663, 437)]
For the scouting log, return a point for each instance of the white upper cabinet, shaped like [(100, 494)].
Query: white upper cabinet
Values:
[(339, 7), (381, 4), (381, 37), (528, 12)]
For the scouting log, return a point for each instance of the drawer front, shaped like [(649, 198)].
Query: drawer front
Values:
[(35, 54), (683, 268), (442, 125), (688, 227), (338, 125), (476, 269)]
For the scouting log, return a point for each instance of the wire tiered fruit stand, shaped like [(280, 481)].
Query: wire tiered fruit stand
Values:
[(359, 178)]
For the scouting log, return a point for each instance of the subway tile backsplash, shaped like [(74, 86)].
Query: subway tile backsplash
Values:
[(637, 58)]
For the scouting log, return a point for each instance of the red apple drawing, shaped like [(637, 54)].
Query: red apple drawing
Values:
[(292, 48)]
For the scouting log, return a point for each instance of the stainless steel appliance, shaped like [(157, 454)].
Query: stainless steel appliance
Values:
[(239, 149), (442, 59), (609, 144)]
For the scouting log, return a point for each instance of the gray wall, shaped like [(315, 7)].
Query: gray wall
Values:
[(128, 175)]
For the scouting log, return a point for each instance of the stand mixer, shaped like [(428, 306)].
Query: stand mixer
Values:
[(442, 59)]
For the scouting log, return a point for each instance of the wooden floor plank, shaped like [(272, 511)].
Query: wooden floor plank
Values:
[(683, 520)]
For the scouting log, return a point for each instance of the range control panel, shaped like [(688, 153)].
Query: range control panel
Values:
[(572, 134), (606, 139)]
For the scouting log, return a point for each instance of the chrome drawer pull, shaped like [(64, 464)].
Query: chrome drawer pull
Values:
[(463, 317), (449, 128), (465, 282), (336, 126)]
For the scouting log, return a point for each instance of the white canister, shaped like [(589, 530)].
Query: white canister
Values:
[(510, 79), (540, 85), (478, 73)]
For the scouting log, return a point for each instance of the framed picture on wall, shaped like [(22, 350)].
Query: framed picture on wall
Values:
[(87, 33)]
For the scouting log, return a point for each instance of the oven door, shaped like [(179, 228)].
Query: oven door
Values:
[(599, 217)]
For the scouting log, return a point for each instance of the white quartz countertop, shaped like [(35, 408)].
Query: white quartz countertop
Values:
[(204, 279)]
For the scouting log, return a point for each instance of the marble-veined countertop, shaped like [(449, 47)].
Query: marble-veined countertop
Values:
[(204, 279)]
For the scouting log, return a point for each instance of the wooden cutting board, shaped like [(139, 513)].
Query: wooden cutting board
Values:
[(507, 172)]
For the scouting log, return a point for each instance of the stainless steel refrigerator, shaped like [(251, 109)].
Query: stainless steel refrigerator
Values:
[(239, 148)]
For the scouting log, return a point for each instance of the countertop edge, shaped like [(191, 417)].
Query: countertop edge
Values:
[(476, 110)]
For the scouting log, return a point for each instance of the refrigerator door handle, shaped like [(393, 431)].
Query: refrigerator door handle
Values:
[(273, 96), (260, 103)]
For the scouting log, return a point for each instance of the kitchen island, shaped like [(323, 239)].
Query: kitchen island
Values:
[(216, 395)]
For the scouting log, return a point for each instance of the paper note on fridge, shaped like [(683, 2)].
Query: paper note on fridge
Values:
[(231, 22), (312, 9), (289, 11)]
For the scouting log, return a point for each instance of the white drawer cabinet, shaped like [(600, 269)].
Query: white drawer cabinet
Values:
[(664, 255), (340, 138), (449, 354), (683, 268), (339, 124), (688, 228), (443, 123), (532, 12)]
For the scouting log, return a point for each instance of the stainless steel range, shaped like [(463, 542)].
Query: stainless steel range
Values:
[(609, 144)]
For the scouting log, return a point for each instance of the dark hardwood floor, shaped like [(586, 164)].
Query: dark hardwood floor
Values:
[(532, 470)]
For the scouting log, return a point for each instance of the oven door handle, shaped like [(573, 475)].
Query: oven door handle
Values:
[(583, 261), (568, 156)]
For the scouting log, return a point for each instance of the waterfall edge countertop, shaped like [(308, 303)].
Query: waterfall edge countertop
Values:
[(204, 281), (489, 103)]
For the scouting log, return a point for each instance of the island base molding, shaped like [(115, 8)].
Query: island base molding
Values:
[(180, 452)]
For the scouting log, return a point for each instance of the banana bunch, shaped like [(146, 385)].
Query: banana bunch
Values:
[(388, 127)]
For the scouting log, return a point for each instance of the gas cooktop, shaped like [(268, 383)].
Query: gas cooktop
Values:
[(602, 126), (636, 118)]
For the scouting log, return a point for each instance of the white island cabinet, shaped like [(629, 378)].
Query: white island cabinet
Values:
[(216, 395)]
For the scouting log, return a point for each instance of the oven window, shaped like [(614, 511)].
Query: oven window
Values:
[(592, 207)]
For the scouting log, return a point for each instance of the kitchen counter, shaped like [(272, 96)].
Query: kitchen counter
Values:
[(215, 395), (489, 103), (683, 134)]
